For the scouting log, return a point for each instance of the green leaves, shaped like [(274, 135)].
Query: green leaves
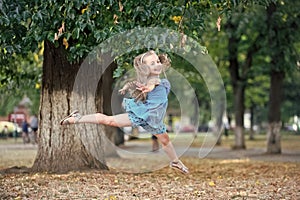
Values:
[(89, 23), (76, 33)]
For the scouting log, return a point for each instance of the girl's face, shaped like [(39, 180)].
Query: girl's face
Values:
[(154, 64)]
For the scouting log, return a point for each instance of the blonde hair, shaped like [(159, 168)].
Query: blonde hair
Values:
[(142, 75), (143, 71)]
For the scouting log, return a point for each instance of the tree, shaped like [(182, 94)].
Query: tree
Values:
[(240, 56), (242, 17), (70, 30), (274, 41), (282, 26)]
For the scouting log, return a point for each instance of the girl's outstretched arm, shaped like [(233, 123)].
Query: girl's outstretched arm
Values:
[(130, 85), (150, 85)]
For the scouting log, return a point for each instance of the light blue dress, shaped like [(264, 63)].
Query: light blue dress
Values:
[(150, 114)]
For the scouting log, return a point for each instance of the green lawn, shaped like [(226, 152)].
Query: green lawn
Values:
[(289, 141)]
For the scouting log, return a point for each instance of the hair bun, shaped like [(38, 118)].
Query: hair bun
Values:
[(165, 60)]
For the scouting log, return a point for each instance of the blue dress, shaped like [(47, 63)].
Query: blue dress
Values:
[(150, 114)]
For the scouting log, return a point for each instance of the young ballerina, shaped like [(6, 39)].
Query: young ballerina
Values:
[(147, 108)]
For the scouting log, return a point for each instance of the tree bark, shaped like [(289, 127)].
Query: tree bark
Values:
[(239, 98), (60, 148), (114, 134), (274, 138), (274, 116)]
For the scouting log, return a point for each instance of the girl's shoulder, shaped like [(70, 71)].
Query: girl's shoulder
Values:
[(165, 83), (164, 80)]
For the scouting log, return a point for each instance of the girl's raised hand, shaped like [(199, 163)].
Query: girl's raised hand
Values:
[(122, 91), (144, 88)]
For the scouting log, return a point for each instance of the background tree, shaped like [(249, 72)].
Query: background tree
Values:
[(265, 34), (243, 44), (283, 29), (216, 43)]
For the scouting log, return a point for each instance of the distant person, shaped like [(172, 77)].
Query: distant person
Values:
[(15, 133), (170, 123), (4, 132), (34, 126), (155, 144), (25, 132)]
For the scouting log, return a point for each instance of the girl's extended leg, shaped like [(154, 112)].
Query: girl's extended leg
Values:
[(167, 146), (120, 120), (170, 151)]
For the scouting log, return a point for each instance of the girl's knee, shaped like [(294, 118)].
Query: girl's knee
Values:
[(163, 138), (110, 121), (105, 119)]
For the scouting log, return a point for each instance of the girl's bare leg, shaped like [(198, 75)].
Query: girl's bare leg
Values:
[(120, 120), (167, 146), (170, 151)]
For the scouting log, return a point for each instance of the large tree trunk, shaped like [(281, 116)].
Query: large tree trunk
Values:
[(64, 148), (239, 75), (273, 136), (115, 135)]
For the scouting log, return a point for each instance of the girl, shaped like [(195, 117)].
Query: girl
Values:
[(148, 106)]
